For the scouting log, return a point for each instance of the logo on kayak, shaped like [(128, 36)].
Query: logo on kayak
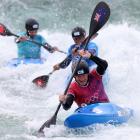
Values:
[(123, 112), (97, 110)]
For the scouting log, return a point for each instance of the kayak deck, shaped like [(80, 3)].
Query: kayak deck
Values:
[(18, 61), (98, 113)]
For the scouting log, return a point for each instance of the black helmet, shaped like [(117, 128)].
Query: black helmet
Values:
[(82, 68), (31, 24), (78, 32)]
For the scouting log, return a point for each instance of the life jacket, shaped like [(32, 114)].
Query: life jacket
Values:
[(91, 93), (91, 47), (28, 49)]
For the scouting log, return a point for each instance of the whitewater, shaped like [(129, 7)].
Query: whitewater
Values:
[(24, 107)]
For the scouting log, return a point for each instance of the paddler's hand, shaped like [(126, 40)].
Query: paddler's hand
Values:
[(54, 49), (62, 98), (22, 38), (56, 67), (85, 53), (75, 51)]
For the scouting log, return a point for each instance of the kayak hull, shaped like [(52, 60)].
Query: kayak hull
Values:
[(99, 113), (19, 61)]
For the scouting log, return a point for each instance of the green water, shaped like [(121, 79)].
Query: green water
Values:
[(63, 15)]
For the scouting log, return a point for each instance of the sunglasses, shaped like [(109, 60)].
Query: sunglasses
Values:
[(33, 31), (77, 38)]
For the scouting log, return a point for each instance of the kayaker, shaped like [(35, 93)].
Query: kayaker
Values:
[(79, 37), (28, 49), (88, 86)]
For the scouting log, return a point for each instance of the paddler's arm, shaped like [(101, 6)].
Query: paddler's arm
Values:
[(49, 48), (65, 63), (66, 101), (21, 39), (101, 64)]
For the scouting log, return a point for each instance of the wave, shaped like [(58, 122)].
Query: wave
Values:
[(118, 44), (61, 15)]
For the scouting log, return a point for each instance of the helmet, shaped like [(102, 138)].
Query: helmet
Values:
[(78, 32), (82, 68), (31, 24)]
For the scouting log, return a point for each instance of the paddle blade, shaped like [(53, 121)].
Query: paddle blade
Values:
[(51, 121), (4, 31), (41, 81), (99, 17)]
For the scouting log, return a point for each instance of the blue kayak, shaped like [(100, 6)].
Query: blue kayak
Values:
[(99, 113), (18, 61)]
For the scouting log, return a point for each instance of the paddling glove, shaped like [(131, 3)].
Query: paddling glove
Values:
[(65, 62), (49, 48), (68, 102)]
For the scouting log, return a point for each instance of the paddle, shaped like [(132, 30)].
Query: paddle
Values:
[(99, 17), (45, 78), (42, 81), (6, 32)]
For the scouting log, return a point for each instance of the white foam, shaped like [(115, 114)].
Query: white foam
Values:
[(118, 44)]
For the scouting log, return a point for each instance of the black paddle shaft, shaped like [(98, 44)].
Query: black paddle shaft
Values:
[(99, 17)]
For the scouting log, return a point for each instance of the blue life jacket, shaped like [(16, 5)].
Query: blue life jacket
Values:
[(28, 49), (91, 47)]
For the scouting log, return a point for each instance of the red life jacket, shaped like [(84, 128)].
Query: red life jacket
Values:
[(92, 93)]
